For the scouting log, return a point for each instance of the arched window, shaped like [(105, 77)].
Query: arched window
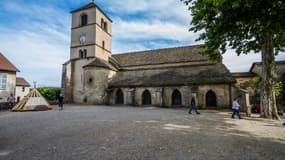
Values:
[(84, 20), (146, 98), (103, 44), (102, 23), (211, 99), (81, 54), (85, 53), (119, 97), (176, 98), (105, 26)]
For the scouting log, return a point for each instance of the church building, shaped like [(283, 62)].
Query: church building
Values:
[(168, 77)]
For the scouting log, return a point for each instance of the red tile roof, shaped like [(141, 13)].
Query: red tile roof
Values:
[(22, 82), (6, 65)]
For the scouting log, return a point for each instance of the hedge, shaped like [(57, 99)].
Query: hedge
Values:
[(50, 93)]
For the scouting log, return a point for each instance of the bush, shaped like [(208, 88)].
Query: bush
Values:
[(50, 93)]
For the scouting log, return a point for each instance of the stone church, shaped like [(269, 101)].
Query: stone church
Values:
[(167, 77)]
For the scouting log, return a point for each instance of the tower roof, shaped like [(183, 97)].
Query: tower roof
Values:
[(88, 6)]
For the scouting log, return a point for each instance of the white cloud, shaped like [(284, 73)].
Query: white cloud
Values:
[(38, 42), (243, 62), (34, 56), (153, 29)]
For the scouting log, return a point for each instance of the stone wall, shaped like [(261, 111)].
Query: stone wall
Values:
[(78, 79), (67, 83), (222, 92), (96, 84)]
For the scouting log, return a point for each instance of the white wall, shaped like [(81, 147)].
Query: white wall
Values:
[(20, 93)]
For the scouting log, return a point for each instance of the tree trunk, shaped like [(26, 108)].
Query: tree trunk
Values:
[(268, 100)]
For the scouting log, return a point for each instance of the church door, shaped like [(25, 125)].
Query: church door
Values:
[(119, 97), (211, 99), (146, 98), (176, 98)]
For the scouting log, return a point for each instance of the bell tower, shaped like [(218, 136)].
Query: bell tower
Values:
[(91, 33), (91, 38)]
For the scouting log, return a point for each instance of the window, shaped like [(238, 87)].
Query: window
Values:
[(23, 89), (81, 54), (85, 53), (84, 20), (3, 81), (103, 44), (104, 25)]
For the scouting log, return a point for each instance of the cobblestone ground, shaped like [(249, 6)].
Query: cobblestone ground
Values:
[(130, 133)]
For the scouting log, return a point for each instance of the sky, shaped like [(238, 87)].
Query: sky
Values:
[(35, 34)]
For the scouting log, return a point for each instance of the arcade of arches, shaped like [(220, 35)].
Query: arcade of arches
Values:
[(170, 97)]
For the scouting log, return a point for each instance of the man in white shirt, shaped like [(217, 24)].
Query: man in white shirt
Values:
[(235, 107)]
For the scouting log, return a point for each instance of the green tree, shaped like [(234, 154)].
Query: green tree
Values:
[(50, 93), (257, 81), (246, 26)]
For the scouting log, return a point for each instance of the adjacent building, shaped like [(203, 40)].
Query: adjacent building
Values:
[(22, 88), (7, 78)]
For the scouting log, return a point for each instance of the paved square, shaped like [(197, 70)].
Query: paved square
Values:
[(130, 133)]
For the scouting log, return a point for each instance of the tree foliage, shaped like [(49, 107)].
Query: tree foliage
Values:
[(50, 93), (238, 24), (245, 26), (256, 82)]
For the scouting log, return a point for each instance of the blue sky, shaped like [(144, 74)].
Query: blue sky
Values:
[(35, 34)]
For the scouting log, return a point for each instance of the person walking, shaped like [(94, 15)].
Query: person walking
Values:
[(193, 106), (60, 102), (11, 100), (284, 118), (235, 107)]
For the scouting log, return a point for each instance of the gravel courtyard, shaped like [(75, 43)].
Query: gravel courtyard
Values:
[(131, 133)]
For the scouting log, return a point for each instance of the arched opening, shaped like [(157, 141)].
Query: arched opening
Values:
[(176, 98), (84, 20), (211, 99), (119, 97), (81, 54), (146, 98)]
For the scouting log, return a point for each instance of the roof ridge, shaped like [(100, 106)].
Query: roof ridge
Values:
[(160, 49)]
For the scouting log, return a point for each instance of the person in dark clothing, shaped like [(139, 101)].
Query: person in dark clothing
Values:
[(11, 101), (60, 102), (193, 106)]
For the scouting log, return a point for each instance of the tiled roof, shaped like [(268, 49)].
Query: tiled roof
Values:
[(161, 56), (243, 74), (260, 63), (101, 63), (174, 76), (22, 82), (6, 65)]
